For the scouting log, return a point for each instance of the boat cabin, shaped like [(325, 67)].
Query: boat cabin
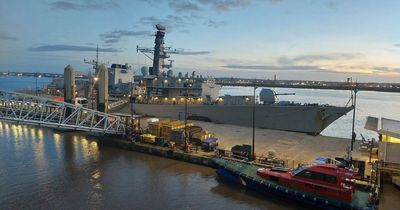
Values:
[(326, 180)]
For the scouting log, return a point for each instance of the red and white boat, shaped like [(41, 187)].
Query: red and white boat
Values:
[(328, 180)]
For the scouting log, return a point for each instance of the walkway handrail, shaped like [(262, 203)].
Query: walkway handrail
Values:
[(29, 109)]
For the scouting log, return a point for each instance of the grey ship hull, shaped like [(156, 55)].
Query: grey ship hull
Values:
[(305, 119)]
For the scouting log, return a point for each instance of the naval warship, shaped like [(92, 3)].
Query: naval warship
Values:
[(160, 93)]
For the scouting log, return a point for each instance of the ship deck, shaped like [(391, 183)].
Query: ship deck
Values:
[(359, 201)]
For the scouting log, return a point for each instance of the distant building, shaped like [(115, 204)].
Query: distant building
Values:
[(389, 141)]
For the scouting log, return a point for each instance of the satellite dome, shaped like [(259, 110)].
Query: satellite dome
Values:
[(170, 73), (144, 70)]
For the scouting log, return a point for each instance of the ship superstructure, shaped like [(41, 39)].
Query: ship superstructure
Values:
[(159, 86), (161, 93)]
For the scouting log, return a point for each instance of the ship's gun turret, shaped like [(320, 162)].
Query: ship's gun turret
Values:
[(269, 96)]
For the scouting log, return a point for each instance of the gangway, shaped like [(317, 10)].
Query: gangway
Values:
[(34, 110)]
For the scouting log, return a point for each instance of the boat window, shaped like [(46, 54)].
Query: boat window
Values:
[(317, 176), (298, 170), (330, 178), (305, 174)]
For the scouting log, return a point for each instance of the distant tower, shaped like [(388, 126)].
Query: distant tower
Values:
[(69, 84), (274, 77), (69, 88), (102, 96)]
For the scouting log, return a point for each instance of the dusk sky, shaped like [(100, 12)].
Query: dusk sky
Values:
[(295, 39)]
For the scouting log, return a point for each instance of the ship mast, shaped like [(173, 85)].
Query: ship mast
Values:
[(94, 63), (160, 52)]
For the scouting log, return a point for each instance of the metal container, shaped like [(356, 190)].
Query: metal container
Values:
[(178, 136)]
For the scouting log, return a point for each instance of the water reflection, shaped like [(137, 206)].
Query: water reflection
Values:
[(52, 169)]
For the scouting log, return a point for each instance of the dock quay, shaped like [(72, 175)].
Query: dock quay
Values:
[(199, 157)]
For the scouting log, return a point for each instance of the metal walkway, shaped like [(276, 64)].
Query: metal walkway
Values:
[(28, 109)]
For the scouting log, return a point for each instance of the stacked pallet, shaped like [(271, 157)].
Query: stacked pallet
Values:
[(154, 128), (168, 126)]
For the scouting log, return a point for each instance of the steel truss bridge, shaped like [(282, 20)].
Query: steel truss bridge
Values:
[(29, 109)]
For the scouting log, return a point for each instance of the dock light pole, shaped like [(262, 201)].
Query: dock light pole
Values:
[(36, 87), (254, 120), (353, 134), (186, 85)]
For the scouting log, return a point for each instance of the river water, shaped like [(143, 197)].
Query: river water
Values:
[(45, 169)]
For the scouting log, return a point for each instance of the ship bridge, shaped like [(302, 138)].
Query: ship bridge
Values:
[(45, 112)]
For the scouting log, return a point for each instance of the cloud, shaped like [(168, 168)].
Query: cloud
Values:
[(283, 60), (397, 45), (203, 5), (215, 24), (51, 48), (184, 6), (5, 36), (379, 70), (195, 52), (386, 69), (189, 11), (84, 5), (274, 67), (115, 36), (171, 22), (225, 5)]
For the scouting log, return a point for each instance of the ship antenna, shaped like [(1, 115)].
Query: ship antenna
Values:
[(97, 56)]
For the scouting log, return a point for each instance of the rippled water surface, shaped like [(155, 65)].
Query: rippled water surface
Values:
[(46, 169)]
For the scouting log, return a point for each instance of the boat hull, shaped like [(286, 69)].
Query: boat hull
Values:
[(305, 119), (281, 191)]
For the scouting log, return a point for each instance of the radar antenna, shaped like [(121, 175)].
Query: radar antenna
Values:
[(94, 63), (159, 53)]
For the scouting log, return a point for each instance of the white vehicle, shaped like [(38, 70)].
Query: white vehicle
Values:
[(81, 102)]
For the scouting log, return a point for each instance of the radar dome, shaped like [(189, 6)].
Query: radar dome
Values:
[(170, 73), (144, 70)]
